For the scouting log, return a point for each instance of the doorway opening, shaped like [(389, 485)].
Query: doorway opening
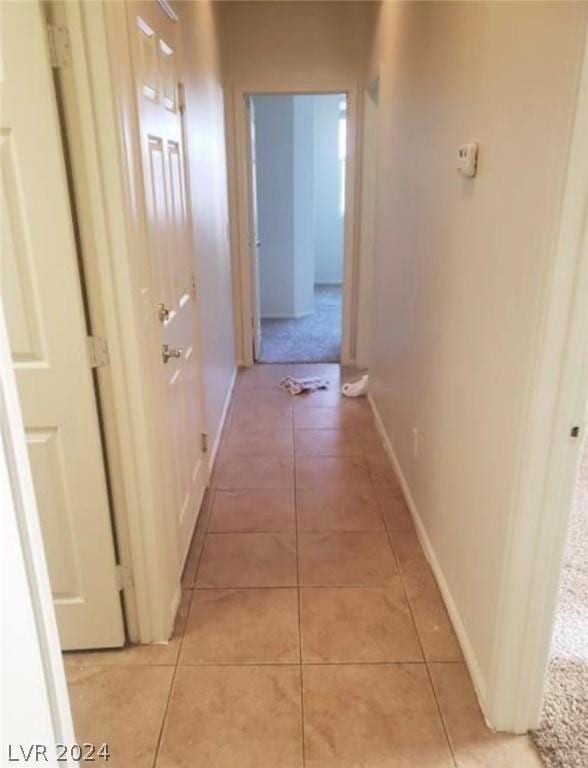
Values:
[(298, 157), (561, 737)]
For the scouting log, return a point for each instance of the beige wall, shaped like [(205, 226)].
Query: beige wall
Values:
[(295, 41), (460, 264), (208, 187)]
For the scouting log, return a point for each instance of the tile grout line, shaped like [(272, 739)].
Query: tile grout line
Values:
[(149, 665), (439, 709), (424, 655), (192, 590), (372, 485), (298, 592), (212, 494), (293, 586), (172, 683), (212, 489), (207, 532), (354, 663), (426, 661), (418, 635)]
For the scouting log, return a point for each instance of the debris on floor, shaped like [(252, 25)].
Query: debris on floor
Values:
[(357, 388), (296, 386)]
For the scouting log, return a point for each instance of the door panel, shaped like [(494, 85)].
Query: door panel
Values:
[(41, 293), (47, 456), (154, 39)]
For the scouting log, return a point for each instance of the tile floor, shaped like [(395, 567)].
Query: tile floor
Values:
[(311, 631)]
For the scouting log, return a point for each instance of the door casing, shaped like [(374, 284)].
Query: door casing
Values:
[(368, 173), (556, 401), (98, 93), (254, 243), (238, 141)]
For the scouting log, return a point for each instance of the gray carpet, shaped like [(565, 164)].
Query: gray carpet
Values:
[(315, 338), (562, 738)]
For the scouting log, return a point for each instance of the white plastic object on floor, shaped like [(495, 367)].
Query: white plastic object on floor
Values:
[(357, 388)]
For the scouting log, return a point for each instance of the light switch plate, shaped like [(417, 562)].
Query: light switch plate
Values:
[(467, 159)]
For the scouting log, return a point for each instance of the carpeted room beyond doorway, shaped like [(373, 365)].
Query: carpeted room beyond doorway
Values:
[(562, 738), (315, 338)]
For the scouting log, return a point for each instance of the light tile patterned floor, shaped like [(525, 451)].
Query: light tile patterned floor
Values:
[(311, 630)]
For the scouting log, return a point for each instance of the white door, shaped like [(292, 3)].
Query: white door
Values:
[(254, 242), (155, 39), (42, 300)]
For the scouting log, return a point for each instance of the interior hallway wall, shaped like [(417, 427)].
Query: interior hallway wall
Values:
[(305, 181), (205, 129), (460, 265), (292, 41), (328, 217), (298, 199), (274, 142)]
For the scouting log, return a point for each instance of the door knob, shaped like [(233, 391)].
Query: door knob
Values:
[(168, 352), (162, 312)]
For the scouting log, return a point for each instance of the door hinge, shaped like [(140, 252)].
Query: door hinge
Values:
[(194, 286), (204, 442), (98, 352), (59, 46), (124, 578), (181, 98), (575, 431)]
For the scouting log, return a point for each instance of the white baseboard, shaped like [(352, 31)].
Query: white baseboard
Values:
[(217, 439), (452, 609)]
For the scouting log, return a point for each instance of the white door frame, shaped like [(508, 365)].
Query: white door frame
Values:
[(106, 161), (368, 173), (557, 395), (240, 199), (254, 242)]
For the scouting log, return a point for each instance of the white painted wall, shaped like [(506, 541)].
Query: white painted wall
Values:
[(328, 232), (304, 184), (298, 199), (295, 41), (208, 185), (274, 142), (460, 267)]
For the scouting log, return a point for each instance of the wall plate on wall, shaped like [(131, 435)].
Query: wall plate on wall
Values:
[(467, 159)]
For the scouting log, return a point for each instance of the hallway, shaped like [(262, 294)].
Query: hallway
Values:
[(311, 631)]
